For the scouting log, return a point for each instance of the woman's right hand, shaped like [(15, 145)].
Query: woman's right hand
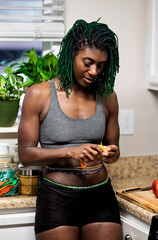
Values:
[(85, 152)]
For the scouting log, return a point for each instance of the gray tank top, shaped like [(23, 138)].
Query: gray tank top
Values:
[(59, 130)]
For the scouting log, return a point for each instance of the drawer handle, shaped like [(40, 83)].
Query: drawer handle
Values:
[(128, 237)]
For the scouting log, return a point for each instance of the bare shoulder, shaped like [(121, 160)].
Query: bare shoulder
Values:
[(38, 92), (37, 96), (38, 89), (110, 104)]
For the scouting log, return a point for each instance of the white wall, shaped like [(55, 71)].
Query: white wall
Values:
[(128, 20)]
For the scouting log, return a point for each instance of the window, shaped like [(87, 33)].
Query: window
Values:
[(40, 20), (27, 24), (37, 24)]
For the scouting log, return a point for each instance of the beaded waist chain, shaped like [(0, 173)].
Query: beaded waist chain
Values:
[(77, 170)]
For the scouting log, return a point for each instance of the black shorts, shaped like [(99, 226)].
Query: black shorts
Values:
[(62, 206)]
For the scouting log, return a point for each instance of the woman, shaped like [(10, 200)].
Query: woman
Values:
[(70, 116)]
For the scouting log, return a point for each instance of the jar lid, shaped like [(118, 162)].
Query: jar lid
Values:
[(30, 170), (6, 166)]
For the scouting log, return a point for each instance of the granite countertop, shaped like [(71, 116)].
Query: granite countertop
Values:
[(130, 207), (127, 172), (19, 201), (22, 201), (135, 210), (130, 172)]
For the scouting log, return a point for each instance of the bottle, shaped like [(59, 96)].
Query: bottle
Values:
[(153, 233)]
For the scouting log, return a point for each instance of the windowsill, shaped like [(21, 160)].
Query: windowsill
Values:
[(13, 129)]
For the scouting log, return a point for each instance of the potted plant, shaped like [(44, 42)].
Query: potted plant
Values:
[(10, 92), (37, 69), (14, 82)]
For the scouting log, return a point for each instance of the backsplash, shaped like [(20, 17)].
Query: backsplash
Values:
[(129, 167)]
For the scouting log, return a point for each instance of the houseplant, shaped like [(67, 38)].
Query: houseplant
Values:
[(37, 69), (10, 93), (14, 82)]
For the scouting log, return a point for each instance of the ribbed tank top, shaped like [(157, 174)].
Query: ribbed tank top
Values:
[(59, 130)]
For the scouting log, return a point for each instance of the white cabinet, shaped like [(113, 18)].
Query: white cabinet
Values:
[(152, 46), (15, 225), (133, 227), (18, 224)]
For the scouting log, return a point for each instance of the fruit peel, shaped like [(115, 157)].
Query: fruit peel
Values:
[(105, 150), (83, 165)]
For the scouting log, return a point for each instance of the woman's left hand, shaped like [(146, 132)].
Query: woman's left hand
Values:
[(112, 155)]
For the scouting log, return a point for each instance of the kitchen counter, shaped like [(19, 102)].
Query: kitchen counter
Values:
[(130, 172), (19, 201), (132, 208), (127, 172), (135, 210), (22, 201)]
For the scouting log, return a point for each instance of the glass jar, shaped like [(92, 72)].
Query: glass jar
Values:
[(4, 149), (4, 153), (5, 159), (9, 179), (29, 180)]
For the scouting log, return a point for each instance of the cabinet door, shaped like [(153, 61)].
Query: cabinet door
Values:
[(17, 233), (19, 226), (152, 46), (134, 227)]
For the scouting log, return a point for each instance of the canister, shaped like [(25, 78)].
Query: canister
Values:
[(29, 180)]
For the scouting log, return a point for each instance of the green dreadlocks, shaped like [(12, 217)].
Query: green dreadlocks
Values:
[(92, 35)]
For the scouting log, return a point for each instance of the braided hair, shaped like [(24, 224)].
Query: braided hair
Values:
[(93, 35)]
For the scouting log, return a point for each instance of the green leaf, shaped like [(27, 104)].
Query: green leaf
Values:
[(28, 82), (45, 75), (2, 81), (13, 64), (32, 56), (12, 79), (10, 85), (8, 70), (50, 60)]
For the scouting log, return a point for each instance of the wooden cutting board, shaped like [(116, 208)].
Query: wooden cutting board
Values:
[(145, 199)]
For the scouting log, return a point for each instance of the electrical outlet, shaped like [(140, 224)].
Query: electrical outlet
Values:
[(126, 121)]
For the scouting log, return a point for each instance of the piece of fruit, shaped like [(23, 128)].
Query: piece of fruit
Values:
[(154, 183), (156, 190), (104, 148), (83, 165), (155, 187)]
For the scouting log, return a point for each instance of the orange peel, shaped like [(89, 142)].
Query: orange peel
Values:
[(83, 165), (104, 148)]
